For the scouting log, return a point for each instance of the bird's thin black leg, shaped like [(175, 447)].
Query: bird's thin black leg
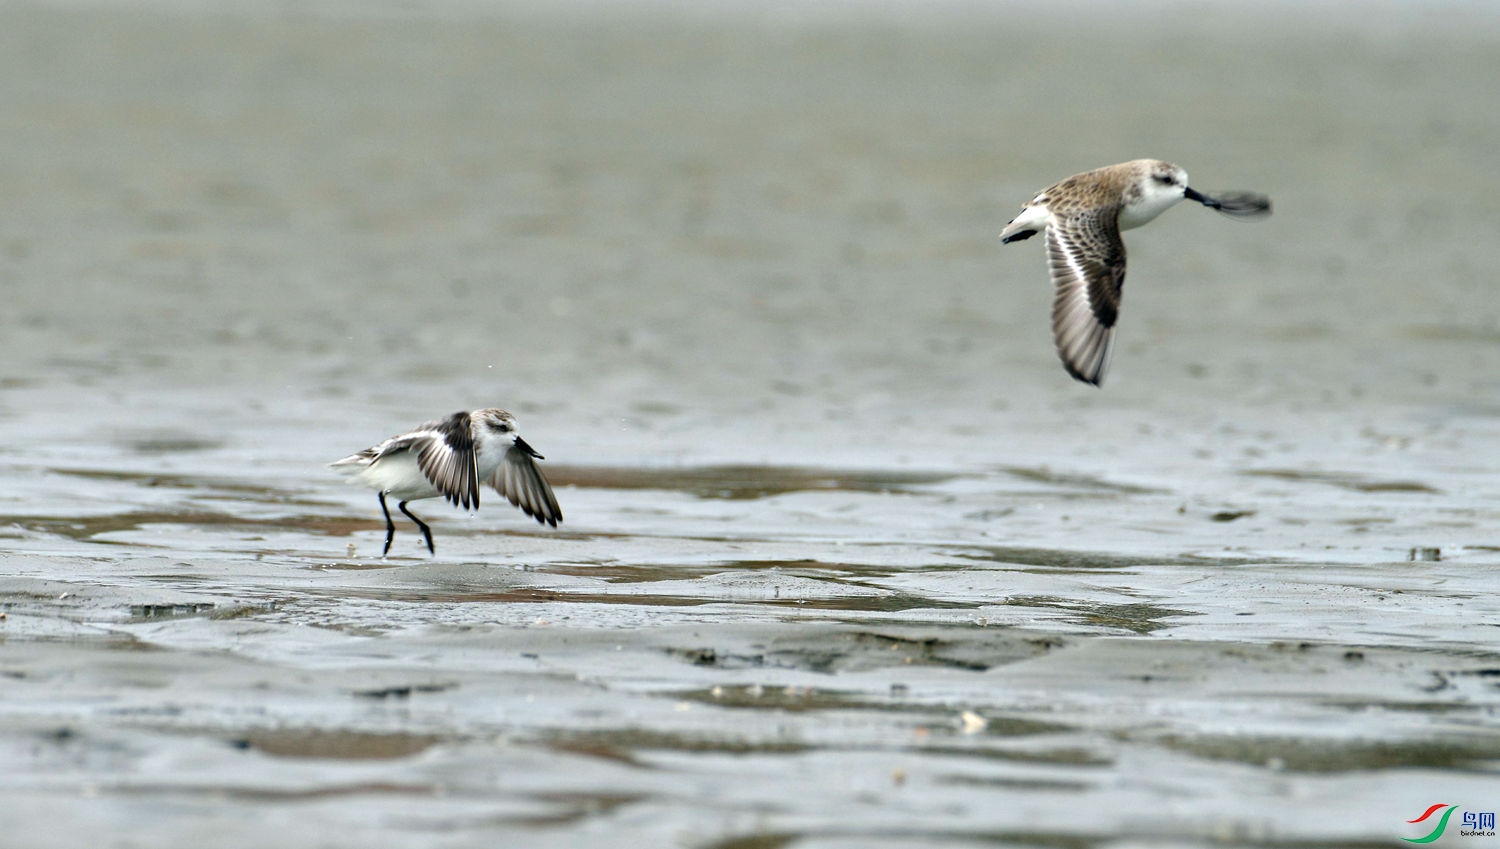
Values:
[(426, 531), (390, 527)]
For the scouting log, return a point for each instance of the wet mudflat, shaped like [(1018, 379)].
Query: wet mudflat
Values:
[(847, 559)]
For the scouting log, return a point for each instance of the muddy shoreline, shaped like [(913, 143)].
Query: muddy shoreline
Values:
[(848, 561)]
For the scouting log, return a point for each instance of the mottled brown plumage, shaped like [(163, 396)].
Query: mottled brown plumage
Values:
[(1083, 217)]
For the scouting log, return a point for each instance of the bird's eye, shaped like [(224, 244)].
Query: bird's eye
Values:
[(1165, 179), (504, 428)]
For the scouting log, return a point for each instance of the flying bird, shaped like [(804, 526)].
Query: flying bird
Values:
[(1082, 217)]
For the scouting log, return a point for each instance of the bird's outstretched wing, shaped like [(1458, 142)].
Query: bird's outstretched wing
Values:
[(1086, 258), (522, 483), (445, 454)]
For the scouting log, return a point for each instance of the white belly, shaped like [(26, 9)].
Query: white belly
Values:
[(399, 476)]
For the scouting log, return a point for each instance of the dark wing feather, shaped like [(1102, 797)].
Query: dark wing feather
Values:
[(1086, 258), (521, 482), (446, 457)]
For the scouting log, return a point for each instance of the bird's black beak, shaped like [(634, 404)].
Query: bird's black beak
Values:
[(1192, 194), (527, 449), (1233, 204)]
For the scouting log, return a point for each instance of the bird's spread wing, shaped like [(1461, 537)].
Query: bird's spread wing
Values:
[(1086, 258), (520, 481), (445, 454)]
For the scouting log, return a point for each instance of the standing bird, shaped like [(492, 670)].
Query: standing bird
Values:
[(1083, 216), (451, 457)]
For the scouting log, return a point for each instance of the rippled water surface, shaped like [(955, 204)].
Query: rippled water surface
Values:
[(848, 560)]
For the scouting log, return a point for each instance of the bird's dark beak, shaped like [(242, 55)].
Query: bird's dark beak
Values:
[(527, 449), (1233, 204), (1193, 194)]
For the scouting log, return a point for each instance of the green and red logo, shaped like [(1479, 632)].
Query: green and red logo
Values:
[(1437, 830), (1476, 823)]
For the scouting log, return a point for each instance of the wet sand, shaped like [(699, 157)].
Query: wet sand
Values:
[(848, 559)]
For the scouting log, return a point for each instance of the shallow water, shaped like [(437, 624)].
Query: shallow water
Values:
[(848, 559)]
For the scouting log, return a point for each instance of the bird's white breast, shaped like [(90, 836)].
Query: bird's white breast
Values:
[(1152, 202)]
